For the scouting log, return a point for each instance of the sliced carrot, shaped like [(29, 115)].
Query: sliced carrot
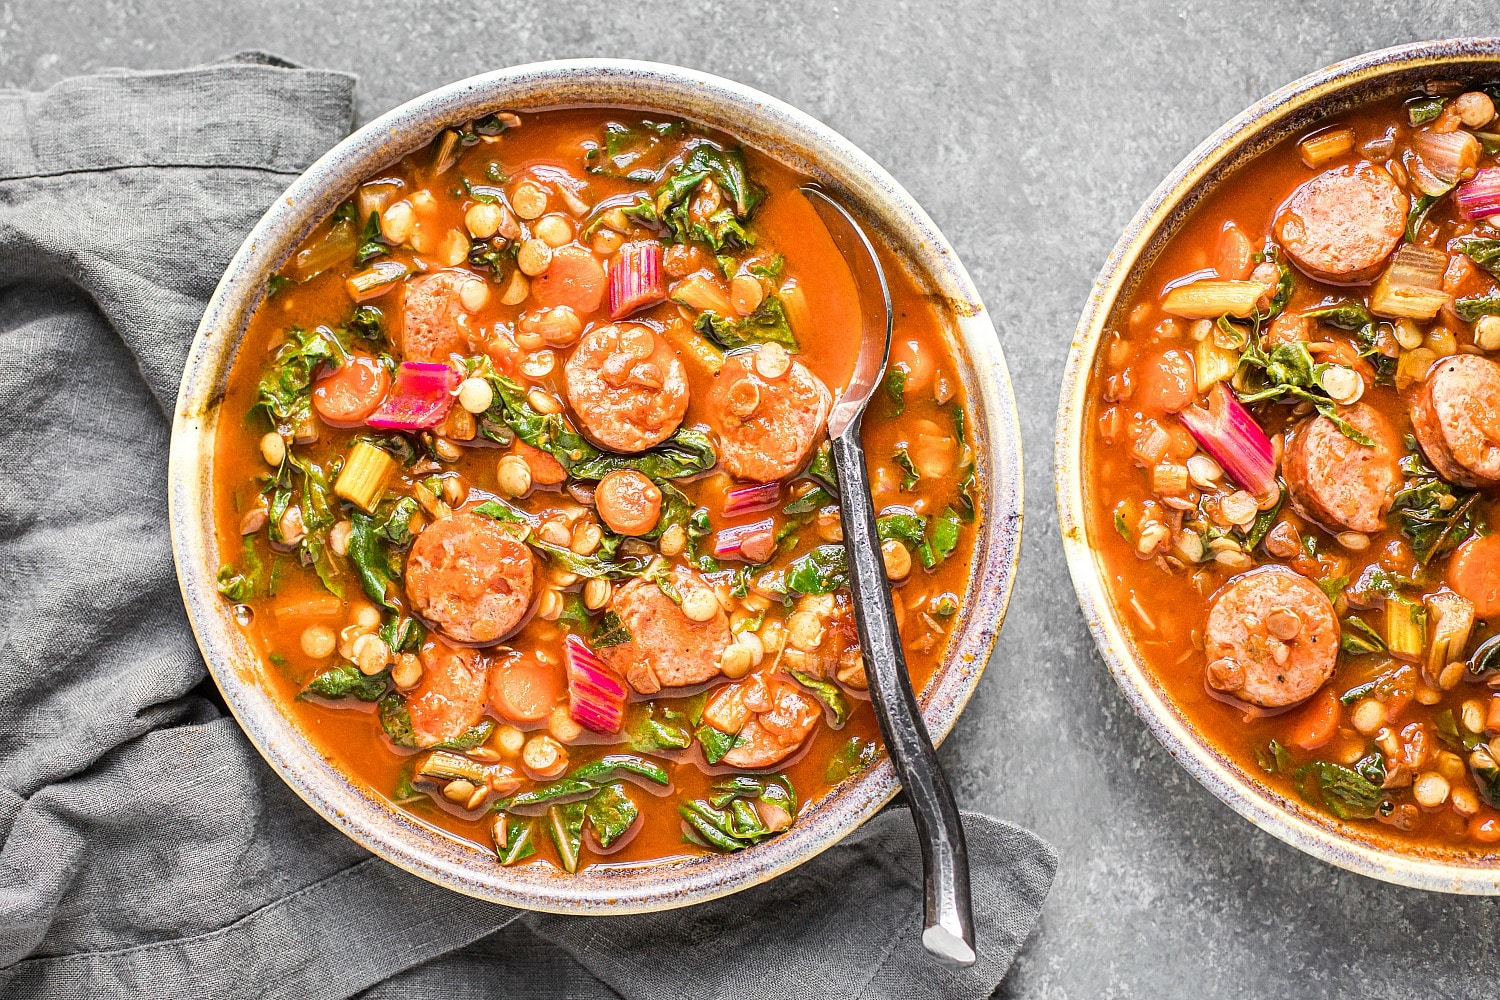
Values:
[(545, 470), (1474, 571), (575, 279), (353, 391), (1484, 826), (1317, 722), (525, 691)]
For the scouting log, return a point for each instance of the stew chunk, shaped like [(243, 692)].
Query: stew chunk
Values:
[(449, 699), (434, 322), (769, 413), (1341, 225), (771, 715), (626, 387), (671, 645), (1456, 418), (1339, 482), (1272, 638), (470, 578)]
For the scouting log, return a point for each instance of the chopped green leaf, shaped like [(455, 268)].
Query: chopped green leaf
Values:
[(716, 744), (520, 842), (767, 324), (1433, 514), (611, 814), (1421, 205), (1344, 792), (396, 722), (821, 571), (895, 388), (1484, 252), (1274, 758), (1475, 306), (611, 766), (686, 453), (565, 827), (829, 694), (909, 474), (610, 631), (1424, 109), (850, 759), (346, 681)]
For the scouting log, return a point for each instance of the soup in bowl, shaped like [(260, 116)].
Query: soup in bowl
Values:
[(521, 498)]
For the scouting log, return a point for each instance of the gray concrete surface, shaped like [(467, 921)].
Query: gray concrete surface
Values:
[(1031, 133)]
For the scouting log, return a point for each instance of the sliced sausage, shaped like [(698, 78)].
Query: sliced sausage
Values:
[(351, 392), (666, 647), (1341, 225), (626, 387), (434, 322), (1272, 638), (449, 699), (769, 413), (470, 577), (772, 716), (1338, 482), (1456, 417)]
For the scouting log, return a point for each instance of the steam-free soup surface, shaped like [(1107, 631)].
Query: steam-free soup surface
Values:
[(524, 490)]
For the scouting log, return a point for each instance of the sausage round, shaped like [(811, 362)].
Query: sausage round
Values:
[(627, 387), (434, 322), (1341, 225), (1338, 482), (768, 415), (666, 647), (1456, 418), (449, 699), (470, 578), (1272, 638)]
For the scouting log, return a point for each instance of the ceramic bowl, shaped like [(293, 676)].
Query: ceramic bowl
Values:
[(758, 121), (1294, 109)]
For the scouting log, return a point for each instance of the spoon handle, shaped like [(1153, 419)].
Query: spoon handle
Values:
[(948, 930)]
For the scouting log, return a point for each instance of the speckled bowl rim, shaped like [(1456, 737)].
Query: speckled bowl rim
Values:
[(762, 122), (1292, 109)]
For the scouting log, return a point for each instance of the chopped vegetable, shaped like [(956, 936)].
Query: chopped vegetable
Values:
[(1434, 514), (420, 397), (346, 681), (396, 721), (1405, 628), (828, 693), (752, 499), (821, 571), (635, 279), (1451, 618), (1344, 792), (1230, 435), (851, 758), (596, 693), (1411, 287), (364, 476), (565, 827), (611, 814), (1210, 299), (1479, 197), (376, 281)]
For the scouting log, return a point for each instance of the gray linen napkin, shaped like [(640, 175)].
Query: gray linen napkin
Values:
[(145, 844)]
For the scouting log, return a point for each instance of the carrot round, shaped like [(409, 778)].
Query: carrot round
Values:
[(353, 391), (525, 691), (575, 279), (545, 470), (1474, 571), (1315, 724)]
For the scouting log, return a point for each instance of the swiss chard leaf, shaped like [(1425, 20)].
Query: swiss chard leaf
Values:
[(829, 694), (1432, 513), (371, 562), (1358, 638), (1421, 205), (565, 827), (611, 814), (285, 390), (1475, 306), (646, 733), (716, 744), (1274, 758), (371, 243), (1424, 109), (895, 389), (346, 681), (1343, 791), (519, 842), (396, 721), (609, 631), (1484, 252), (767, 324), (821, 571), (850, 759), (549, 432), (909, 474), (1288, 373), (686, 453), (611, 766)]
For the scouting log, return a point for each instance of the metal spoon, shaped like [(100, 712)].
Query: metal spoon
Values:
[(948, 930)]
